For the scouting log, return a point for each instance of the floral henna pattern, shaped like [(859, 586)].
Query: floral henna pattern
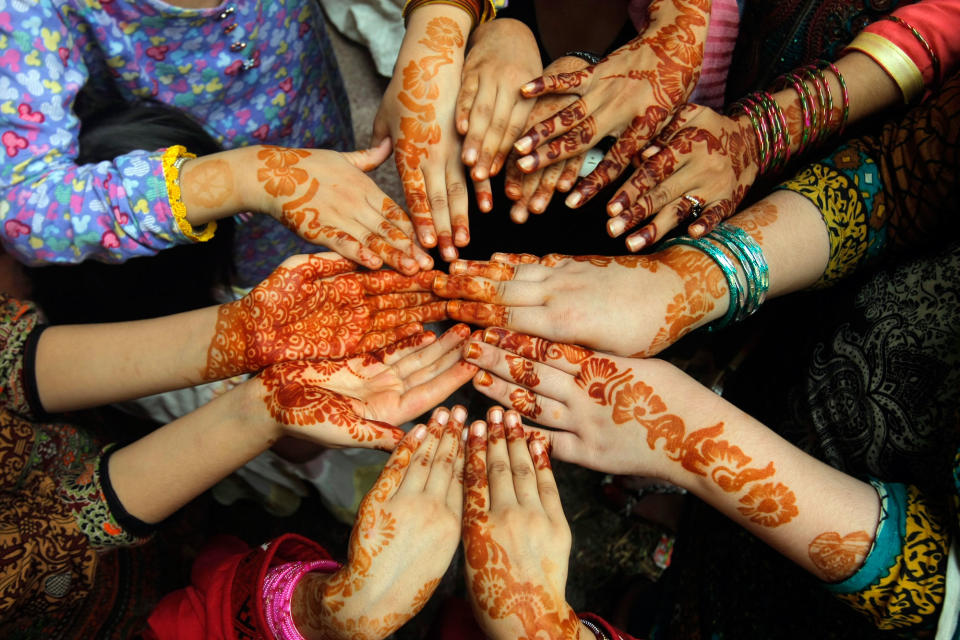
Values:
[(701, 452), (769, 505), (294, 397), (374, 530), (419, 129), (297, 315), (210, 182), (703, 286), (494, 590), (838, 557), (279, 172)]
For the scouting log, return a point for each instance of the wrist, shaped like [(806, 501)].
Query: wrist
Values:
[(437, 26), (253, 412)]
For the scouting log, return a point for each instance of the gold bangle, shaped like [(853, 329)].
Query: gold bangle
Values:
[(894, 61), (480, 10), (173, 159)]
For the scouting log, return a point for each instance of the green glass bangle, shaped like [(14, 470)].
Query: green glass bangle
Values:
[(729, 272), (754, 264)]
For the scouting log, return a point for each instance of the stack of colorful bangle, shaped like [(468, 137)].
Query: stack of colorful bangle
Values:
[(480, 10), (816, 110), (745, 296)]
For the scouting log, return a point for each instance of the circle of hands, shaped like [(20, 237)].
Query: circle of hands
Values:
[(343, 356)]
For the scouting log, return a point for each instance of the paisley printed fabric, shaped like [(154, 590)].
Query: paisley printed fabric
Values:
[(251, 71), (54, 515), (17, 320)]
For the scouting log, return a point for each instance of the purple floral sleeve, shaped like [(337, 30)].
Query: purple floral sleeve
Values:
[(53, 210)]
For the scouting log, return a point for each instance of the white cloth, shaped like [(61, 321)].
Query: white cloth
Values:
[(376, 24), (947, 627)]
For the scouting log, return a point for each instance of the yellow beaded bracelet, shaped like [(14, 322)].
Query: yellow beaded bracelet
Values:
[(173, 159)]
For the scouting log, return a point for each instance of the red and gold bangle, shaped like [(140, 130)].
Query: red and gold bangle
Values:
[(934, 58)]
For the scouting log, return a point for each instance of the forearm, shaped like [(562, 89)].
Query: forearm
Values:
[(161, 472), (798, 505), (79, 366)]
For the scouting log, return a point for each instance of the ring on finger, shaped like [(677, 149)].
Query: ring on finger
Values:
[(696, 206)]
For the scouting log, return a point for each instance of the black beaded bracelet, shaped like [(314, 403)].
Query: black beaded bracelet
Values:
[(592, 58)]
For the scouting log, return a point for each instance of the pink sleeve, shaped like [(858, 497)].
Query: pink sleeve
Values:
[(611, 631), (938, 21)]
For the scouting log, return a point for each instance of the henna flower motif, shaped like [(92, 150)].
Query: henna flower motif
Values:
[(443, 33), (769, 505), (521, 370), (636, 402), (279, 173), (417, 80), (839, 557), (599, 377), (525, 402)]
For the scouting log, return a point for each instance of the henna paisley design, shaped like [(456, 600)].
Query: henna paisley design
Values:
[(299, 313)]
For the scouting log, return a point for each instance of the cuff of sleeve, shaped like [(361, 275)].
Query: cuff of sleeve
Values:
[(887, 542), (601, 628), (173, 158), (30, 391), (129, 523), (894, 61)]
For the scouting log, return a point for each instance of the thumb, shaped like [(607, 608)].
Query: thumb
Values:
[(381, 130), (370, 159)]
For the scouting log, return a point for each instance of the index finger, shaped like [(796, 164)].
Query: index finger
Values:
[(476, 499), (568, 358)]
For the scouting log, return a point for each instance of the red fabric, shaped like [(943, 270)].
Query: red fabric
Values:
[(223, 600), (938, 21), (611, 630)]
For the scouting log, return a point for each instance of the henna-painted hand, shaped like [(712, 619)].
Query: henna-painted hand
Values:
[(653, 73), (417, 113), (628, 305), (491, 113), (402, 542), (355, 402), (516, 539), (302, 313), (324, 197), (629, 416), (702, 154), (533, 191)]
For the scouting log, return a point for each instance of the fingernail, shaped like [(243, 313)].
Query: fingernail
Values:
[(441, 416), (429, 239), (470, 156), (420, 432), (479, 428), (463, 435), (483, 379), (527, 163), (614, 208), (459, 414), (530, 86), (409, 264), (696, 229), (491, 337), (440, 282), (536, 447), (486, 202), (461, 237), (464, 125), (457, 268), (573, 199), (635, 243), (474, 351), (564, 185), (538, 204), (425, 261), (616, 226), (449, 253), (523, 145), (480, 173), (496, 415), (512, 420), (518, 213)]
